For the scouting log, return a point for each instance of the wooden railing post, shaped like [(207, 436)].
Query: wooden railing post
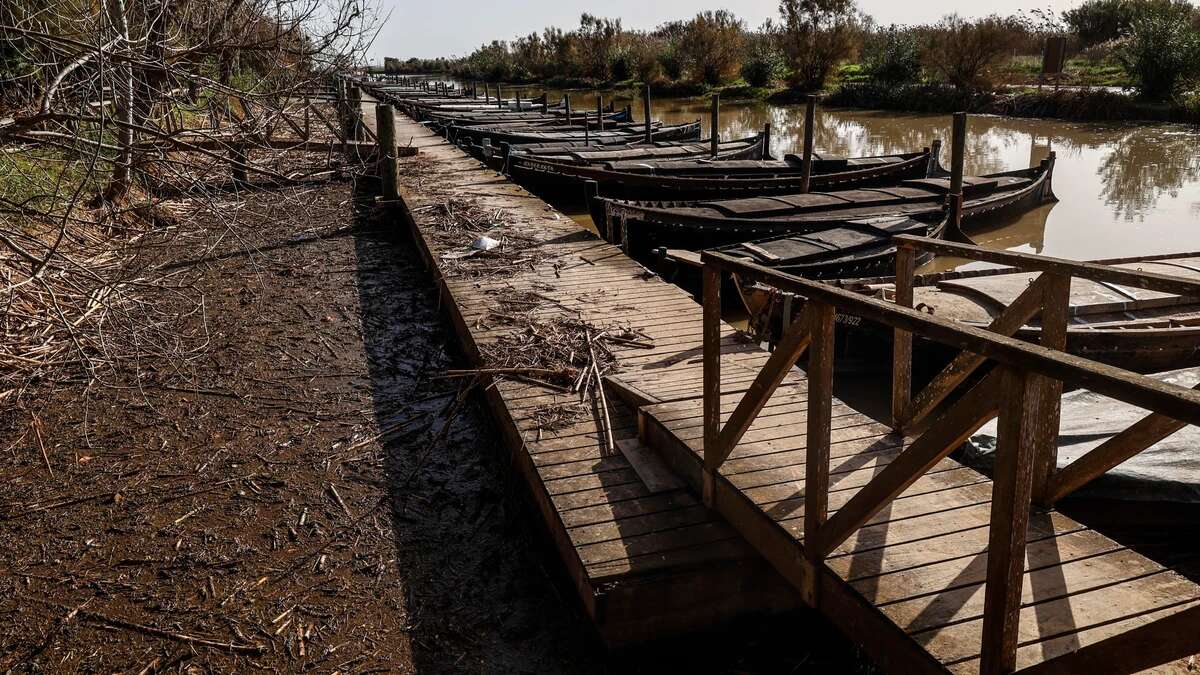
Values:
[(712, 379), (1056, 305), (1016, 451), (385, 122), (906, 257), (816, 469)]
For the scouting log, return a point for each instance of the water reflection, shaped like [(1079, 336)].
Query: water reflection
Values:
[(1125, 189)]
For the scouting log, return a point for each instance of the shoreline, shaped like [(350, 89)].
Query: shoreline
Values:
[(1073, 103)]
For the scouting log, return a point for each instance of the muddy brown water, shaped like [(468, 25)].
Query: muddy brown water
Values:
[(1124, 189)]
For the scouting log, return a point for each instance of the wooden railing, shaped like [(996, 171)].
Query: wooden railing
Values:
[(1023, 389)]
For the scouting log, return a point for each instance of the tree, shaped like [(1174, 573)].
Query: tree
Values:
[(597, 41), (817, 35), (711, 46), (967, 54)]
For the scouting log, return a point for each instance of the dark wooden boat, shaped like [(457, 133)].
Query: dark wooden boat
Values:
[(537, 166), (850, 249), (552, 116), (622, 134), (694, 225), (1132, 328), (705, 178)]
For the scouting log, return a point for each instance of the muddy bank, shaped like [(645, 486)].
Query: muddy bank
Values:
[(283, 480)]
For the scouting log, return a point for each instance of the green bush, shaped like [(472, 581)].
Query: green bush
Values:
[(1162, 51), (671, 62), (892, 56), (1098, 21)]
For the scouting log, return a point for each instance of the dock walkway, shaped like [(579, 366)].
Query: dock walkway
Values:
[(648, 557)]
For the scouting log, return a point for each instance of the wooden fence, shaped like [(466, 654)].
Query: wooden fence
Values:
[(1023, 389)]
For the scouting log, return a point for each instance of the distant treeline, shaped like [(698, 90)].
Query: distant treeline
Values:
[(1150, 45)]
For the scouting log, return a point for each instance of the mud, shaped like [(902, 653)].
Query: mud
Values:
[(275, 476)]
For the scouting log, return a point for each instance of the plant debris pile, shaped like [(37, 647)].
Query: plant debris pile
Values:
[(478, 241)]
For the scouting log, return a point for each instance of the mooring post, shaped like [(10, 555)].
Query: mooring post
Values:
[(385, 134), (518, 99), (810, 114), (646, 114), (958, 143), (714, 134), (586, 129), (567, 105), (599, 113), (766, 141)]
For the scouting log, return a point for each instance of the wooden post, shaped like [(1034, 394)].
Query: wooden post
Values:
[(567, 105), (714, 134), (712, 379), (646, 115), (958, 143), (810, 114), (902, 339), (307, 117), (518, 100), (238, 155), (1056, 306), (385, 128), (599, 113), (1016, 451), (587, 140), (766, 143), (355, 100), (816, 469), (499, 98)]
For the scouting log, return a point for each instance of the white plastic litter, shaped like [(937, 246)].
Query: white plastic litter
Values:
[(484, 244)]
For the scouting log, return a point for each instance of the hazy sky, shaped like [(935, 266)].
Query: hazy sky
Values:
[(429, 28)]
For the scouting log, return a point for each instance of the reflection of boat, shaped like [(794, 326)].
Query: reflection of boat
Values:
[(694, 225), (702, 177)]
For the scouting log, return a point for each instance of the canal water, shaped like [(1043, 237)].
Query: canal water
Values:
[(1124, 189)]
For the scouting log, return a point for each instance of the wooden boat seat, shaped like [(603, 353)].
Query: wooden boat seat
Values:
[(1087, 297), (783, 204), (864, 162), (973, 186), (797, 248)]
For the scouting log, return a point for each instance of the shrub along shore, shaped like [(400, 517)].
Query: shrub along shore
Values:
[(1125, 60)]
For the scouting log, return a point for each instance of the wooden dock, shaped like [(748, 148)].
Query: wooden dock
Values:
[(647, 560), (660, 538)]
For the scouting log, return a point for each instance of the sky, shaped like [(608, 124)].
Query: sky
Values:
[(431, 28)]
